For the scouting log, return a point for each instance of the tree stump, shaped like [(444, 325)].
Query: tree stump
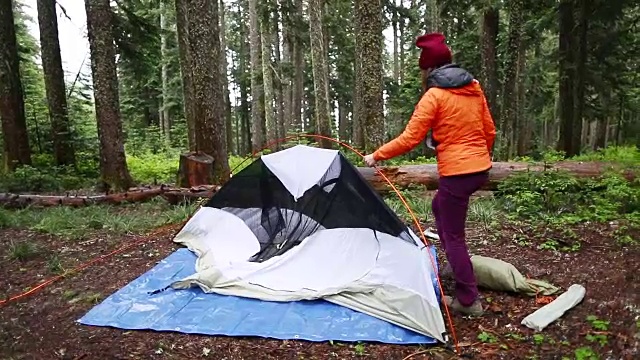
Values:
[(196, 168)]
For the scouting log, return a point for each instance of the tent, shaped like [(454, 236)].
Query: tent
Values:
[(302, 224)]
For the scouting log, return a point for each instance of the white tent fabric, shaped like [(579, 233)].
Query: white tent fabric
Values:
[(359, 268), (300, 167)]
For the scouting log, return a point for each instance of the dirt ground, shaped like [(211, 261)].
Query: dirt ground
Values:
[(43, 325)]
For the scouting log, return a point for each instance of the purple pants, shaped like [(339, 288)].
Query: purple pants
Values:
[(450, 207)]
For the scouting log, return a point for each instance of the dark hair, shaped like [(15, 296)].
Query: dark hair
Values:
[(424, 76)]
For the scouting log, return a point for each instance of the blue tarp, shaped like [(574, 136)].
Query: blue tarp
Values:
[(193, 311)]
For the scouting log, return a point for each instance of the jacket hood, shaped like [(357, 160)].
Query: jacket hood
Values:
[(453, 77)]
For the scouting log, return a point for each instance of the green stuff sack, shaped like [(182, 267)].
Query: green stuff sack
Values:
[(498, 275)]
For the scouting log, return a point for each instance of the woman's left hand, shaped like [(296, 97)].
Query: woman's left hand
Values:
[(369, 160)]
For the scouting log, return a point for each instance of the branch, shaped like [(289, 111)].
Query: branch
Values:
[(64, 11), (275, 72)]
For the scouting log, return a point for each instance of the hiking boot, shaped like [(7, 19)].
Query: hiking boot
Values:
[(474, 310)]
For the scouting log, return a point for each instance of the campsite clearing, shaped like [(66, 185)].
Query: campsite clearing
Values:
[(43, 325)]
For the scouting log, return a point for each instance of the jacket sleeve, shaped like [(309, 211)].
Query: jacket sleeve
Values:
[(488, 125), (415, 132)]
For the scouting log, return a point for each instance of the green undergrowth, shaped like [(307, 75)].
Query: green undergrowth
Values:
[(549, 199), (546, 207), (76, 223), (158, 165), (560, 198)]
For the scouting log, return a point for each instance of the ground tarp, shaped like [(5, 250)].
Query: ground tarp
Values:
[(193, 311)]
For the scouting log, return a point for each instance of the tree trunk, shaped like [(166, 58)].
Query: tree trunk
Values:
[(432, 16), (165, 117), (401, 47), (298, 70), (285, 67), (320, 72), (522, 124), (113, 164), (395, 119), (509, 112), (357, 134), (566, 75), (182, 31), (580, 56), (54, 83), (208, 108), (603, 123), (267, 79), (14, 126), (489, 67), (195, 169), (396, 60), (343, 121), (257, 90), (369, 72), (601, 133), (279, 91), (225, 79), (245, 117)]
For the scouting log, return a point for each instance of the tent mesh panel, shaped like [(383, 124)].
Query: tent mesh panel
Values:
[(341, 199)]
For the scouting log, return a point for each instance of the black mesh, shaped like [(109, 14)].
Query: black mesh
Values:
[(343, 199)]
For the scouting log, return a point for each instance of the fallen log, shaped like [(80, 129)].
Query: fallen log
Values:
[(173, 195), (426, 175)]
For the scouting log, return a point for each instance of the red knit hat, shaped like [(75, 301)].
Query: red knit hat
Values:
[(435, 51)]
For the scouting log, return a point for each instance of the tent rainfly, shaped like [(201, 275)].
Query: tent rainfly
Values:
[(302, 224)]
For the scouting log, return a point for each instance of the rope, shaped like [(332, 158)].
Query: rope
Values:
[(84, 266), (158, 230), (402, 199)]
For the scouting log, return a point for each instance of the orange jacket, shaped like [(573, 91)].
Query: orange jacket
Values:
[(455, 109)]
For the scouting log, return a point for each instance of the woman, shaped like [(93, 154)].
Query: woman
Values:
[(454, 108)]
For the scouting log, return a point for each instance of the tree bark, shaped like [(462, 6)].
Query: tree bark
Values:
[(245, 116), (208, 108), (357, 132), (267, 79), (320, 72), (581, 52), (343, 121), (298, 70), (172, 194), (195, 169), (566, 74), (509, 111), (225, 79), (396, 51), (279, 91), (63, 151), (257, 91), (369, 72), (489, 67), (427, 174), (182, 32), (432, 16), (14, 126), (286, 67), (401, 47), (113, 164), (522, 124), (165, 117)]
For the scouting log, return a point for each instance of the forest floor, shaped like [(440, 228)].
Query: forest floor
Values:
[(605, 325)]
